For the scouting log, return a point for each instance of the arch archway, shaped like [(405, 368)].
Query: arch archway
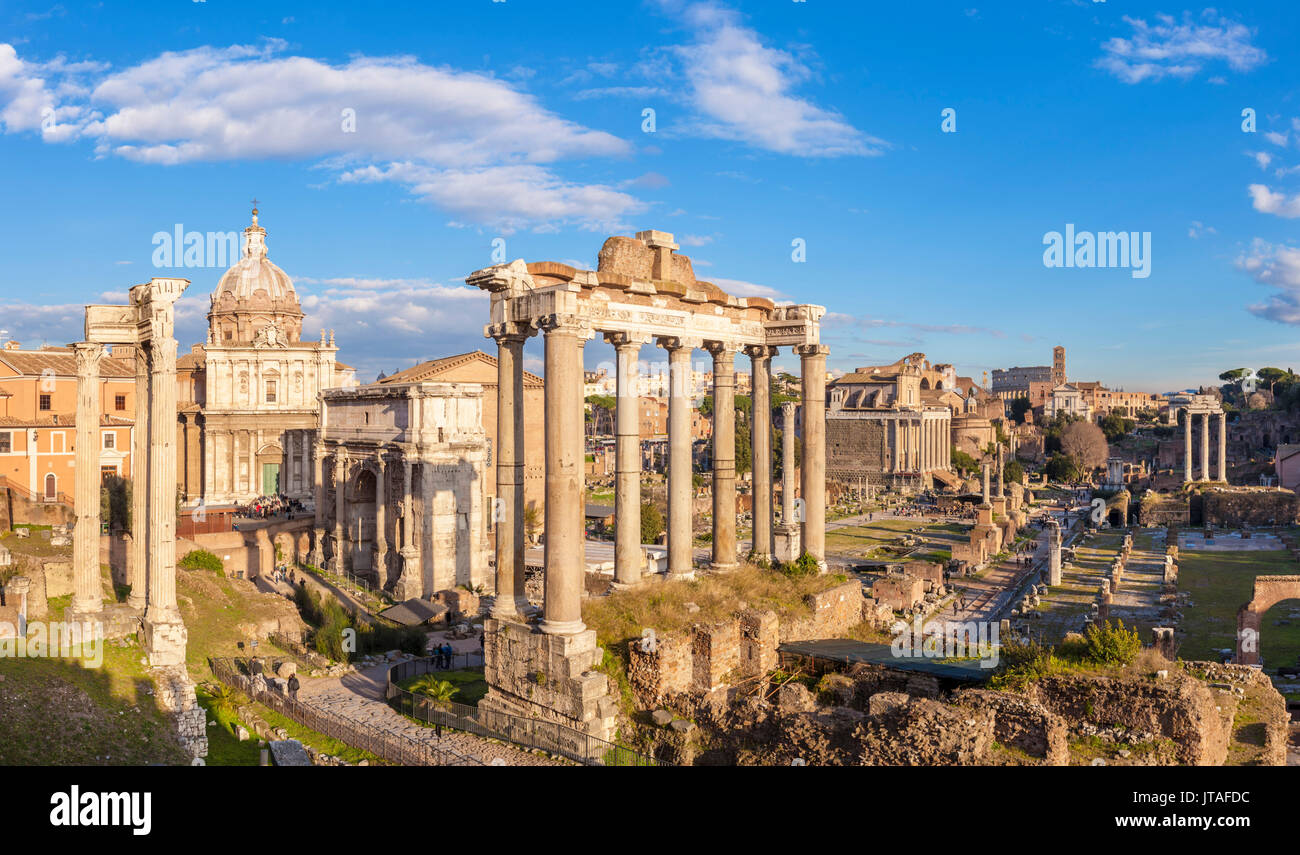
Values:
[(1268, 592)]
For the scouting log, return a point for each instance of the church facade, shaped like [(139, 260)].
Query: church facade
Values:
[(249, 399)]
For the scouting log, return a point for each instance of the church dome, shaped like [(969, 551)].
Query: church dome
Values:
[(252, 295), (255, 275)]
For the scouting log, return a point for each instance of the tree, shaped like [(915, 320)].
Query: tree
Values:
[(1013, 472), (652, 523), (1019, 406), (1233, 375), (1085, 444), (1061, 468), (1115, 426), (963, 462), (532, 521)]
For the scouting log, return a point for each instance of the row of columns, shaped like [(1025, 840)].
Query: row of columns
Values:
[(565, 337), (153, 474), (1205, 446), (920, 445)]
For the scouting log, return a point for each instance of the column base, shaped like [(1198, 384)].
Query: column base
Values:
[(165, 639), (682, 577), (562, 627), (86, 607), (507, 610), (787, 544), (718, 567)]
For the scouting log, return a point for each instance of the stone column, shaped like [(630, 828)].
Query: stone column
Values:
[(812, 370), (1001, 471), (1223, 447), (984, 469), (627, 461), (681, 491), (1187, 443), (510, 602), (562, 608), (340, 510), (88, 590), (318, 499), (1205, 446), (381, 521), (165, 634), (724, 455), (140, 484), (761, 448), (787, 463), (896, 464)]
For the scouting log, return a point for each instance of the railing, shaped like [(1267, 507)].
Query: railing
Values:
[(529, 733), (389, 745), (40, 498)]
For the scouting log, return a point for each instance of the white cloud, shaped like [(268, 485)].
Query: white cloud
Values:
[(742, 91), (1267, 201), (741, 288), (1169, 48), (1277, 266), (1262, 158), (1198, 228), (1276, 138), (435, 130)]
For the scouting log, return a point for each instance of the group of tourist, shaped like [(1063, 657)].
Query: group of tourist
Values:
[(266, 507), (442, 656)]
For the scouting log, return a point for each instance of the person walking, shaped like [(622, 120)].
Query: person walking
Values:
[(293, 687)]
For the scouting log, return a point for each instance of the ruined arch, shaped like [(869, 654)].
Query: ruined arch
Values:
[(1268, 592)]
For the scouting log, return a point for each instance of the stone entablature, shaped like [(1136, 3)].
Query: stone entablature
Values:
[(412, 463)]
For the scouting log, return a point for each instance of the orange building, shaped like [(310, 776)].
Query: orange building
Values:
[(38, 406)]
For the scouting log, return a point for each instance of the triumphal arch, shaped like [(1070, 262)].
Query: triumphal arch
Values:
[(642, 292)]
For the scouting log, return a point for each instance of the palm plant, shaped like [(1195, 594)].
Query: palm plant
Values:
[(437, 690)]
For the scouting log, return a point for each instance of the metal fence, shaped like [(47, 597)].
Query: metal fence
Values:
[(391, 746), (529, 733)]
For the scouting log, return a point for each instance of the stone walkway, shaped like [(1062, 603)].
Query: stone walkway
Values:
[(360, 696)]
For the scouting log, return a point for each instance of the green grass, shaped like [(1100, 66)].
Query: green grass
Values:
[(322, 743), (470, 685), (1222, 582)]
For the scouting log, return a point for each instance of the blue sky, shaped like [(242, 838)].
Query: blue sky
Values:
[(774, 121)]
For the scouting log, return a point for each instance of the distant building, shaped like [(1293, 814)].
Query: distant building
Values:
[(1019, 382), (38, 406)]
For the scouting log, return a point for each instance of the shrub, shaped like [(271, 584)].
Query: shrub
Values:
[(201, 559), (1111, 645), (804, 565)]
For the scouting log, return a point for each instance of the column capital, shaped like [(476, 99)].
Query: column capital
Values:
[(508, 332), (89, 354), (722, 348), (673, 343), (621, 338), (760, 351), (809, 350), (163, 355), (788, 408), (564, 324)]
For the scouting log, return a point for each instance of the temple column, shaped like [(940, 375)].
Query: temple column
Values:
[(812, 371), (165, 633), (88, 589), (1223, 447), (1205, 446), (627, 461), (381, 522), (562, 608), (318, 502), (1187, 443), (761, 449), (680, 488), (510, 602), (304, 455), (140, 484), (788, 463), (724, 455), (340, 510)]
